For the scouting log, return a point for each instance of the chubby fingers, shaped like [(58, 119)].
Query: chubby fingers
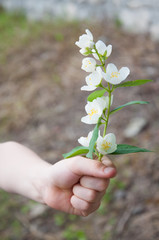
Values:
[(82, 207), (97, 184), (86, 200), (87, 194)]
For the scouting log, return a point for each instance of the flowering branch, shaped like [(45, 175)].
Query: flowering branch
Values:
[(98, 107)]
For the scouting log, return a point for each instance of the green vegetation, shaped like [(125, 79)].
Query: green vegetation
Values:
[(16, 228), (118, 22), (74, 234), (107, 236), (108, 197), (16, 31), (59, 219), (9, 205)]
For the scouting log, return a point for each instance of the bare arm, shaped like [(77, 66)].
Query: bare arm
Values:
[(74, 185), (20, 169)]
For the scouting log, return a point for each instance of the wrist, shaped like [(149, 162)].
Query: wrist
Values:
[(39, 182), (22, 171)]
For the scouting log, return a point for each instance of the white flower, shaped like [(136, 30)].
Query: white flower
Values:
[(114, 76), (89, 64), (105, 100), (84, 141), (93, 80), (85, 41), (107, 144), (102, 49), (94, 110)]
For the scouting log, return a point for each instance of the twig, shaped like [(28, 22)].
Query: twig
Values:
[(34, 230), (123, 221)]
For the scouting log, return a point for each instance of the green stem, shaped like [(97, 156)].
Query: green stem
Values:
[(96, 152), (103, 119), (104, 68), (100, 85), (101, 60), (100, 157), (108, 112)]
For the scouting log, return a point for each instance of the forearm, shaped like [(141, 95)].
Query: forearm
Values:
[(21, 170)]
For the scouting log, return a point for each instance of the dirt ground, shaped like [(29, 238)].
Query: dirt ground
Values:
[(41, 107)]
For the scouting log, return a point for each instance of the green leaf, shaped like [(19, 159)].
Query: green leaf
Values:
[(125, 148), (95, 94), (133, 83), (76, 151), (127, 104), (93, 140)]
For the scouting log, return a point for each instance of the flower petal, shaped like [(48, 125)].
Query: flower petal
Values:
[(85, 40), (110, 137), (95, 54), (94, 110), (90, 135), (102, 102), (83, 141), (88, 88), (107, 144), (92, 120), (90, 35), (114, 76), (99, 70), (99, 104), (99, 140), (93, 79), (124, 72), (111, 68), (89, 64), (109, 50), (91, 105), (101, 47)]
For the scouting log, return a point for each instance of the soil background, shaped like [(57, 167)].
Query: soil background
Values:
[(41, 106)]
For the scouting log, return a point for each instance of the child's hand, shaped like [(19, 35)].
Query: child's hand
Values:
[(77, 185), (74, 185)]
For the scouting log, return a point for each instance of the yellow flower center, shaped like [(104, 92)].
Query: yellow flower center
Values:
[(106, 145), (87, 64), (92, 112), (115, 74), (90, 79)]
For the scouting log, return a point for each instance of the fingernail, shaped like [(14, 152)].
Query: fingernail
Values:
[(109, 170)]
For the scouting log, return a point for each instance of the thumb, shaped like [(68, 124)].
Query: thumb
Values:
[(88, 167), (68, 172)]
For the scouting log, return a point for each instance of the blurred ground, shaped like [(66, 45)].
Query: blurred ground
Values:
[(41, 106)]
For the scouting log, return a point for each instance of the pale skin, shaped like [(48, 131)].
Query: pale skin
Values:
[(74, 185)]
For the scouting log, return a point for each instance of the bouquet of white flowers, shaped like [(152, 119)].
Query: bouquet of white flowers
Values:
[(98, 107)]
